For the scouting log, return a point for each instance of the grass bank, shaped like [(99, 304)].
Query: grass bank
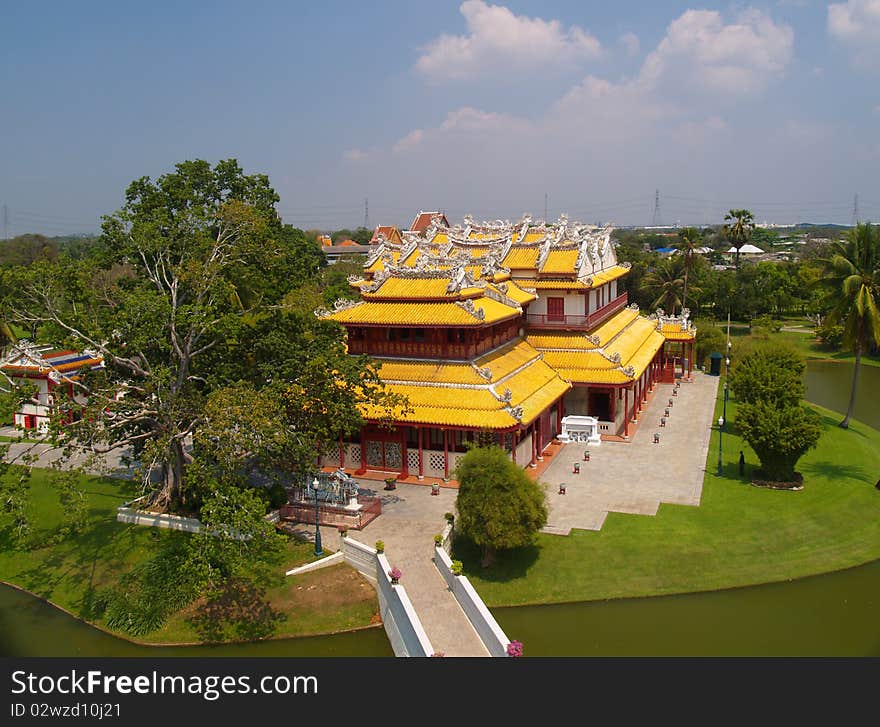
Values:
[(739, 535), (72, 572)]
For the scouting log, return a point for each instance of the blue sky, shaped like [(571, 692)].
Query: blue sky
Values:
[(470, 107)]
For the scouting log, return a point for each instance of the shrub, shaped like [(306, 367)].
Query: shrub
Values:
[(380, 546), (830, 336), (499, 505), (395, 574), (438, 540), (457, 568), (449, 517), (277, 495)]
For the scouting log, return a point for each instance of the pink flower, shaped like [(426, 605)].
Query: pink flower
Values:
[(515, 648), (395, 574)]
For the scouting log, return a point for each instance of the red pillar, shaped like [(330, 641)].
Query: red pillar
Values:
[(645, 378), (614, 405), (626, 412), (446, 453), (559, 416), (421, 467), (636, 400)]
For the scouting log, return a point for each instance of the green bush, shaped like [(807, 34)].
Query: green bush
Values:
[(277, 495), (830, 336)]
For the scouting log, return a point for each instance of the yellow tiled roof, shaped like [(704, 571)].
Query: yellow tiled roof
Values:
[(569, 339), (514, 292), (521, 257), (578, 360), (411, 288), (560, 261), (534, 236), (673, 332), (456, 394), (423, 314), (378, 264), (609, 274)]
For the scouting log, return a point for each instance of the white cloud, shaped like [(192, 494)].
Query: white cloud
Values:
[(409, 141), (740, 58), (857, 24), (355, 155), (466, 122), (630, 43), (498, 40)]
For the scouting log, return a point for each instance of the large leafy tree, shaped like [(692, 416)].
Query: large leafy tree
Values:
[(768, 385), (183, 274), (499, 505), (852, 277), (738, 228)]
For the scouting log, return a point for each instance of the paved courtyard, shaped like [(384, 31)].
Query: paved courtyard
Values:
[(636, 476)]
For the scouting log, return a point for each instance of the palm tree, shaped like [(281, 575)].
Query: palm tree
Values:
[(665, 283), (852, 276), (739, 229), (688, 241)]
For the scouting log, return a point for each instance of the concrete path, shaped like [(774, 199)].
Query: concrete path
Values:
[(411, 516), (636, 476)]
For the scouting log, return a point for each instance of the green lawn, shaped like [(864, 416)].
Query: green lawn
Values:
[(70, 573), (739, 535)]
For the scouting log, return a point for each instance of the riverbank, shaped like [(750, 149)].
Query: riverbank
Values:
[(71, 573), (739, 535)]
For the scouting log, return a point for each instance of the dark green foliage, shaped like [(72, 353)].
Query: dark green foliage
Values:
[(148, 594), (499, 505), (710, 339), (277, 496), (773, 374), (780, 436), (768, 384), (831, 335)]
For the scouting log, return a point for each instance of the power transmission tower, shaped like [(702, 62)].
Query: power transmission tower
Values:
[(855, 214), (656, 220), (366, 213)]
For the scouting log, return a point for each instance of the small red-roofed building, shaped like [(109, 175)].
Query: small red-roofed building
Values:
[(53, 373), (423, 221)]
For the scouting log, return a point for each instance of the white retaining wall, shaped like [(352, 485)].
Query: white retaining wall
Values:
[(126, 514), (337, 557), (402, 624), (487, 628)]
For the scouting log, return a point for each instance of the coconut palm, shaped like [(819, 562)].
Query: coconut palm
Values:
[(738, 229), (688, 241), (665, 283), (852, 276)]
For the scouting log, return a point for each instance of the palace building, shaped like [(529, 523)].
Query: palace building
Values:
[(501, 329)]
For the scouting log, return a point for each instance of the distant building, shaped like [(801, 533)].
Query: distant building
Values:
[(389, 232), (423, 221), (53, 373)]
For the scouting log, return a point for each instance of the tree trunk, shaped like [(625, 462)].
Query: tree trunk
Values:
[(172, 477), (488, 558), (855, 383), (684, 293)]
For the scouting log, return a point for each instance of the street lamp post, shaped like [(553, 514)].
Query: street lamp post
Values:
[(723, 417), (318, 549)]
